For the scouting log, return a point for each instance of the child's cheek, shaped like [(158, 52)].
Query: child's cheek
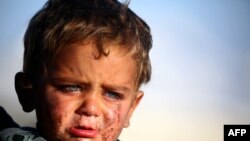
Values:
[(112, 125), (59, 110)]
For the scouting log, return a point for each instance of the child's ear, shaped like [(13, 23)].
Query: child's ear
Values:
[(136, 101), (24, 92)]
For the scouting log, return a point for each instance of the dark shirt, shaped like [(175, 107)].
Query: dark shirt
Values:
[(6, 120)]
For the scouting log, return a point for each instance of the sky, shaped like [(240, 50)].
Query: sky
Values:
[(200, 60)]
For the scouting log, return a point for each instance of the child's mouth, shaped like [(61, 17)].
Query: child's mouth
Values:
[(83, 132)]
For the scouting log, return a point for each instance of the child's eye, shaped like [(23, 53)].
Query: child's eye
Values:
[(71, 88), (114, 95)]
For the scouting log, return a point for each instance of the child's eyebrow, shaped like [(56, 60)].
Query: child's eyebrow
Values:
[(55, 79), (116, 88), (111, 87)]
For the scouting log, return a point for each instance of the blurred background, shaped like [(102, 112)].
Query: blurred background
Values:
[(200, 59)]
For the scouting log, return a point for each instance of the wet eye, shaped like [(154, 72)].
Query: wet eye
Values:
[(70, 88), (114, 95)]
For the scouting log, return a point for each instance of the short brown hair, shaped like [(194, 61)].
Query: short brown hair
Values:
[(61, 22)]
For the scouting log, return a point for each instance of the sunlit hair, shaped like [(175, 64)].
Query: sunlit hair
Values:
[(61, 22)]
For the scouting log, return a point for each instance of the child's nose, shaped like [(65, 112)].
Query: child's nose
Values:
[(90, 105)]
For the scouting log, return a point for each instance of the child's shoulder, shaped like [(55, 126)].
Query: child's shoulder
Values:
[(11, 131), (20, 134)]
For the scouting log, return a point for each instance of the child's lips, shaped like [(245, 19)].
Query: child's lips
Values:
[(83, 132)]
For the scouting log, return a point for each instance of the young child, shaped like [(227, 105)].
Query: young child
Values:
[(84, 62)]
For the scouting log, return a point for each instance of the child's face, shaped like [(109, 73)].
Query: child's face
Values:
[(87, 99)]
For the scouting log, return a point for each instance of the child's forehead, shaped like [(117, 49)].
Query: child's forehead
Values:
[(79, 59), (97, 50)]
